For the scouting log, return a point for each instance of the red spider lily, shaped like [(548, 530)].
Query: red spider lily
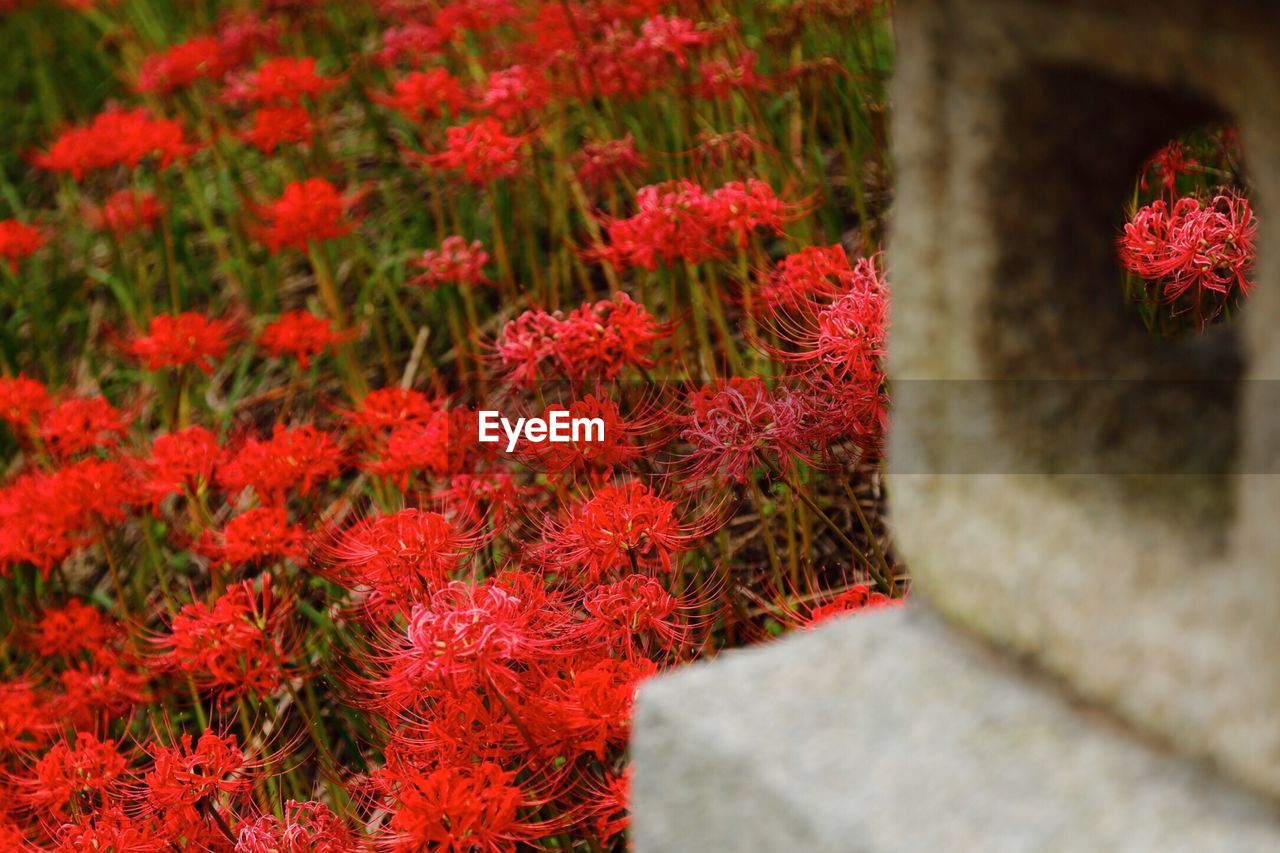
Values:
[(465, 808), (45, 517), (22, 402), (387, 408), (116, 138), (276, 126), (479, 498), (75, 773), (182, 339), (617, 448), (811, 274), (26, 721), (125, 211), (190, 771), (233, 647), (736, 426), (634, 614), (455, 262), (852, 599), (242, 35), (309, 827), (597, 710), (18, 241), (618, 529), (200, 58), (599, 339), (108, 829), (297, 459), (486, 634), (722, 149), (71, 629), (281, 80), (601, 163), (481, 150), (846, 338), (415, 41), (307, 211), (1196, 255), (180, 462), (402, 556), (78, 424), (679, 221), (1170, 162), (412, 448), (302, 335), (420, 95), (719, 78), (515, 92), (259, 535), (101, 690)]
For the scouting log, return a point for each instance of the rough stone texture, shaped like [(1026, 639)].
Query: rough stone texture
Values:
[(1018, 130), (889, 731)]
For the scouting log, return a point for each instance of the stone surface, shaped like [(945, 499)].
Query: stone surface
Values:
[(889, 731), (1117, 518)]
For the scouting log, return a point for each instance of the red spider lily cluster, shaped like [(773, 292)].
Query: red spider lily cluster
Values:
[(1192, 247), (264, 584)]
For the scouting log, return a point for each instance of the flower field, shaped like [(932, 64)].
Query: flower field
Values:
[(263, 266), (264, 588)]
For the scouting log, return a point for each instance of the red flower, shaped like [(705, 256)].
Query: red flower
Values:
[(482, 151), (465, 808), (69, 630), (276, 126), (737, 426), (302, 335), (187, 338), (309, 827), (89, 770), (310, 210), (78, 424), (234, 647), (183, 64), (180, 461), (22, 401), (385, 409), (595, 339), (292, 459), (719, 78), (618, 529), (190, 771), (18, 241), (425, 94), (125, 211), (814, 272), (515, 92), (260, 535), (679, 221), (116, 138), (455, 262), (280, 80), (601, 163), (1198, 256), (402, 556)]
